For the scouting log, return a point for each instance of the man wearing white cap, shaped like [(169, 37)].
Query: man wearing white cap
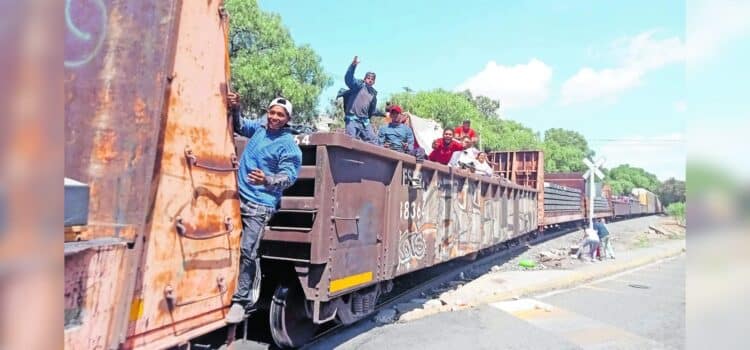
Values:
[(269, 164)]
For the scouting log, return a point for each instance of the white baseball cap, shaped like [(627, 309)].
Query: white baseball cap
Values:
[(284, 103)]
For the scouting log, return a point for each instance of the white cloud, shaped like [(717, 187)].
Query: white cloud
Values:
[(637, 55), (589, 84), (712, 25), (522, 85), (662, 155), (646, 52)]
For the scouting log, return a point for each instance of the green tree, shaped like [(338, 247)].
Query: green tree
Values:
[(451, 108), (487, 106), (671, 191), (335, 111), (564, 151), (267, 63), (677, 211), (624, 178)]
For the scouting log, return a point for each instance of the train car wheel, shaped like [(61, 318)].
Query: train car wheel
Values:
[(290, 325)]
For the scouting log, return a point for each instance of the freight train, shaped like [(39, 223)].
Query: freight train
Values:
[(153, 224)]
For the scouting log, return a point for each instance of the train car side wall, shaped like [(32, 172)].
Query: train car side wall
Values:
[(370, 226), (116, 65), (147, 129)]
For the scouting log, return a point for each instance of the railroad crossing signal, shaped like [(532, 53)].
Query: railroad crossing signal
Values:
[(591, 176), (593, 166)]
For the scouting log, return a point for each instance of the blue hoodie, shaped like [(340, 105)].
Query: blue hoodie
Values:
[(601, 229), (275, 153)]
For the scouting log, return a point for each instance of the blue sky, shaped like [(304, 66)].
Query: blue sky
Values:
[(613, 70)]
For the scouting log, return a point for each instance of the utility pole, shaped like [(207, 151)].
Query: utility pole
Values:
[(591, 175)]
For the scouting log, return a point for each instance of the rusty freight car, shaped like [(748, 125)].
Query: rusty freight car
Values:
[(146, 129), (351, 224), (560, 196), (602, 205), (152, 261), (154, 264)]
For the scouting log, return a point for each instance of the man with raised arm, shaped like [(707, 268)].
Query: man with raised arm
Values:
[(360, 104)]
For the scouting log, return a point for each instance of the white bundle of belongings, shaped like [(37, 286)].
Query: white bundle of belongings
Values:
[(425, 131)]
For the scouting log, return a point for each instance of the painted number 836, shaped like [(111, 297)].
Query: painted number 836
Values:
[(409, 210)]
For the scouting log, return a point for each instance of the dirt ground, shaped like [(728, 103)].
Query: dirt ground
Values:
[(625, 235)]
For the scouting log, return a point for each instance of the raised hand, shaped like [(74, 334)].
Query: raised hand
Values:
[(233, 100)]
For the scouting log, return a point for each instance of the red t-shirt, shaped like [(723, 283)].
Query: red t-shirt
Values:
[(459, 132), (442, 153)]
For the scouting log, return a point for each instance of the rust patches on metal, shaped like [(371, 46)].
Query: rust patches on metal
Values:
[(106, 150), (139, 111)]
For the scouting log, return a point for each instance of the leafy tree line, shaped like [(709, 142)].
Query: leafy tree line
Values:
[(266, 63), (452, 108)]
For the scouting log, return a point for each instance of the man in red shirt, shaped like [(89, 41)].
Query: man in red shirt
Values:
[(442, 150), (465, 130)]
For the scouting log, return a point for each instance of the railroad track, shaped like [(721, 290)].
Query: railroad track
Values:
[(442, 274), (407, 287)]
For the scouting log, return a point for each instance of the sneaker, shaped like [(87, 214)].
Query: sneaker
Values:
[(236, 314)]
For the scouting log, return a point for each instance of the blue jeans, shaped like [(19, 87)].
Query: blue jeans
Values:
[(360, 129), (593, 245), (606, 248), (419, 153), (254, 219)]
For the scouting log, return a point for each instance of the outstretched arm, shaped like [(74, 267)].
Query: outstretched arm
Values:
[(241, 125), (349, 76)]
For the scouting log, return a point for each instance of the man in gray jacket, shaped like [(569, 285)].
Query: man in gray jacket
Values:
[(360, 103)]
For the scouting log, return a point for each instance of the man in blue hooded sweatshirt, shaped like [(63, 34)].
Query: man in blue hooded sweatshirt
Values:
[(269, 164), (360, 103)]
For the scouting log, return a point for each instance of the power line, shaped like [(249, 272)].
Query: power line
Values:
[(639, 140)]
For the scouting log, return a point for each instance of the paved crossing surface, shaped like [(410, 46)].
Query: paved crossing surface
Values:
[(638, 309)]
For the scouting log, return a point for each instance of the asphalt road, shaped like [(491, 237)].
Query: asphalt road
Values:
[(638, 309)]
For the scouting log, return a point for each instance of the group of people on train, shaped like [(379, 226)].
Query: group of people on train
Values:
[(271, 162)]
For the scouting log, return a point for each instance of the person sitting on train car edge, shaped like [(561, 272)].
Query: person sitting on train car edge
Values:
[(399, 137), (442, 149), (465, 130), (270, 163), (482, 165), (360, 104), (467, 155)]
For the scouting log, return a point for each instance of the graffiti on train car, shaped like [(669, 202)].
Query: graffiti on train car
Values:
[(457, 216), (87, 30), (411, 246), (407, 173), (490, 225)]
